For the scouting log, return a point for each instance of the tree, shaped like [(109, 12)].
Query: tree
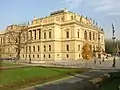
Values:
[(86, 51), (1, 52), (109, 47), (17, 37)]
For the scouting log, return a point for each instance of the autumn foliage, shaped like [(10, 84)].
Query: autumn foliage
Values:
[(86, 51)]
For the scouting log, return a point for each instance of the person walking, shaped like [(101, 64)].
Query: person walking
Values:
[(114, 62), (103, 59)]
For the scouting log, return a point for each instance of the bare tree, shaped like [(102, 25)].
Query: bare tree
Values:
[(1, 60), (18, 37)]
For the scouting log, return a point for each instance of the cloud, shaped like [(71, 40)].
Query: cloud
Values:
[(110, 7), (114, 14), (73, 3)]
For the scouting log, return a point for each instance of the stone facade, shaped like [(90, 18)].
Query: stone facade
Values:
[(59, 36)]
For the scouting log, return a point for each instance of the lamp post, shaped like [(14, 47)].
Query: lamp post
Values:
[(113, 38), (114, 61)]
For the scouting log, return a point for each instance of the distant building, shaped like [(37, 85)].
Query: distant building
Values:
[(59, 36)]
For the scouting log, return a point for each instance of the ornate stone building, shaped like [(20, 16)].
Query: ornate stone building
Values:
[(59, 36)]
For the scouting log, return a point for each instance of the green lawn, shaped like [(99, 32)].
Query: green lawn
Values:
[(8, 76), (33, 73), (111, 85)]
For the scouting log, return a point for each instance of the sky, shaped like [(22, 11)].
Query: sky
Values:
[(105, 12)]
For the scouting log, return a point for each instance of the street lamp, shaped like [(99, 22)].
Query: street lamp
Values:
[(113, 38)]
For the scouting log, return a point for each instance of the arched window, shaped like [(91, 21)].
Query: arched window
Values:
[(85, 35), (67, 47), (49, 47)]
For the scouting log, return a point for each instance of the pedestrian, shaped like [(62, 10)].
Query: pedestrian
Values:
[(114, 62), (100, 62), (94, 61), (103, 59)]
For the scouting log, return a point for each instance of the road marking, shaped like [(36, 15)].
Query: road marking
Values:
[(83, 76), (75, 80)]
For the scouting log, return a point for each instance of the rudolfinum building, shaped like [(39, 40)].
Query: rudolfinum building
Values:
[(58, 36)]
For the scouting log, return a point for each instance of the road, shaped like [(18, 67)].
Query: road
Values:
[(75, 82), (79, 81)]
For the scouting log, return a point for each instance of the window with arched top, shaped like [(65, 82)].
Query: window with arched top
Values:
[(78, 34), (72, 17), (90, 35), (85, 35), (49, 47), (67, 47)]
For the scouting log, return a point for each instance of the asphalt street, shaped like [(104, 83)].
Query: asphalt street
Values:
[(75, 82)]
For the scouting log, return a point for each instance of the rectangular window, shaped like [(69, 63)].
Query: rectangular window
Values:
[(34, 48), (67, 55), (49, 47), (34, 34), (49, 55), (90, 35), (49, 34), (38, 48), (44, 56), (67, 34), (44, 35), (44, 48), (30, 34), (37, 56), (39, 30), (78, 47), (93, 36), (33, 56), (30, 48), (78, 34)]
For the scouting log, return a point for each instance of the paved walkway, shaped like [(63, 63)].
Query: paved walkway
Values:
[(107, 64)]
